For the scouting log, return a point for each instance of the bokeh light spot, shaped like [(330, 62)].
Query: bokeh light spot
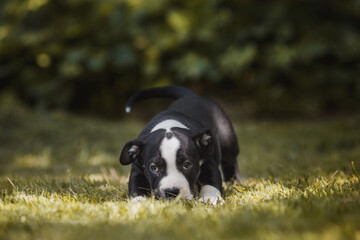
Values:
[(43, 60)]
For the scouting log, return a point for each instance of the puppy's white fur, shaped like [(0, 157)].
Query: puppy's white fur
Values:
[(211, 195), (138, 199), (174, 178)]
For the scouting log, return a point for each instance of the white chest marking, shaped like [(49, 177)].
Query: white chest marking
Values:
[(168, 124)]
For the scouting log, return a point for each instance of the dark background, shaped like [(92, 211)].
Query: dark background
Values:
[(260, 58)]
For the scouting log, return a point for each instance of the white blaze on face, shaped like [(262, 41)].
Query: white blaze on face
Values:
[(168, 148), (174, 178)]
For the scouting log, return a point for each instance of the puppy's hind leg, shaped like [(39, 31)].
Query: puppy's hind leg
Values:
[(229, 147), (230, 169), (229, 163)]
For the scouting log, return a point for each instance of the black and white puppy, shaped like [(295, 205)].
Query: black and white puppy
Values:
[(181, 148)]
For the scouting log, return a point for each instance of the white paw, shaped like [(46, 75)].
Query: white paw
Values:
[(213, 200), (138, 199), (210, 195)]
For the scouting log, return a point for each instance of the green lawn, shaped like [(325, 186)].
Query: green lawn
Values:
[(60, 179)]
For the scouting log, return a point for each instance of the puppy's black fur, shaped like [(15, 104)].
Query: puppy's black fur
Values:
[(207, 141)]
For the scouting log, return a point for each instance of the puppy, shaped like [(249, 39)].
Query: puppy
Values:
[(181, 148)]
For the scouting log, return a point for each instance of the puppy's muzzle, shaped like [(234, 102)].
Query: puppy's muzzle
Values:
[(171, 192)]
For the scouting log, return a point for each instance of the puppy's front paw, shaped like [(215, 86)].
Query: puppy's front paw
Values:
[(211, 195), (138, 199), (213, 200)]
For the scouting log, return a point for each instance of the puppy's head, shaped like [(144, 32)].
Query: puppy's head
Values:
[(169, 159)]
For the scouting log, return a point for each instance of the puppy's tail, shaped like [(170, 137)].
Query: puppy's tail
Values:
[(171, 91)]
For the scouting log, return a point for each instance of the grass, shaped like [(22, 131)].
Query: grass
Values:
[(60, 179)]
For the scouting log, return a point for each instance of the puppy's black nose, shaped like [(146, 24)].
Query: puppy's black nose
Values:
[(171, 192)]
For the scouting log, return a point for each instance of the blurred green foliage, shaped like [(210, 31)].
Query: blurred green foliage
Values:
[(287, 56)]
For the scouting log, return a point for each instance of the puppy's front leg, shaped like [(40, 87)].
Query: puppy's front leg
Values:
[(139, 187), (210, 183)]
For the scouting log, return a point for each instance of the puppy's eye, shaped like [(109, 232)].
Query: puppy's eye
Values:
[(154, 168), (187, 164)]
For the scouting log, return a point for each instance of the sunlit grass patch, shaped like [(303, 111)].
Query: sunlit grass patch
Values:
[(257, 207), (60, 178)]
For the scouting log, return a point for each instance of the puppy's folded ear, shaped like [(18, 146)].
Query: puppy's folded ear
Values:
[(131, 152), (203, 139)]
